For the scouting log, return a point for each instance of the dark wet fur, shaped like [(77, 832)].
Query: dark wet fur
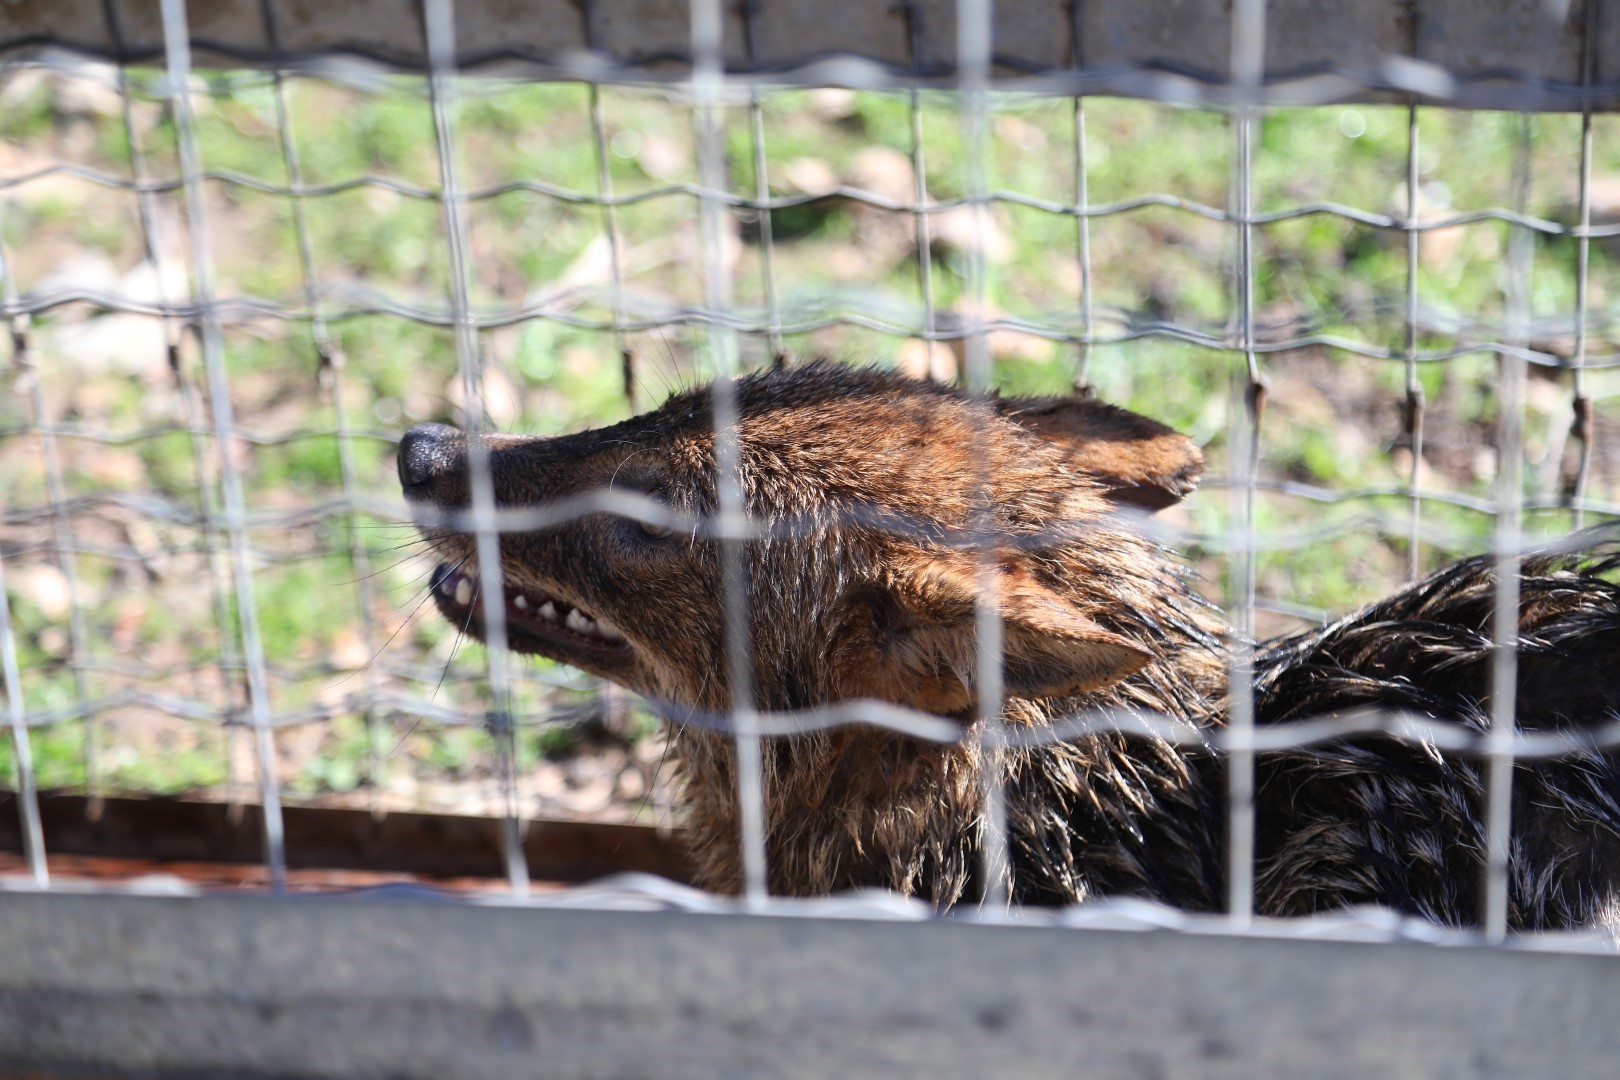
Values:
[(1373, 819), (1377, 819)]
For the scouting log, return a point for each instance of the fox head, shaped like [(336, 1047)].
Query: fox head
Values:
[(884, 514)]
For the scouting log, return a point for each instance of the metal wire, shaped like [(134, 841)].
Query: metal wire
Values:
[(1412, 414), (439, 25), (1582, 421), (1494, 917), (22, 757), (1505, 619), (66, 556), (708, 90), (836, 193), (232, 673), (1417, 728), (1248, 57), (1082, 229), (330, 360), (921, 202), (973, 29), (1149, 74), (1244, 340), (882, 317), (762, 192), (16, 710), (610, 218), (177, 42)]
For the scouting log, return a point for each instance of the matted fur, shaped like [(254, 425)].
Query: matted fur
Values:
[(891, 505)]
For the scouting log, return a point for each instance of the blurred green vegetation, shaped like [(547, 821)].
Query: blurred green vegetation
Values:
[(335, 595)]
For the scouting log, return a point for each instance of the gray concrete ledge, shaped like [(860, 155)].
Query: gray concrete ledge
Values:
[(105, 985)]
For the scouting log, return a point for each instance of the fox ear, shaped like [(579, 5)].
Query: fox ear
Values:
[(1141, 462), (1049, 649)]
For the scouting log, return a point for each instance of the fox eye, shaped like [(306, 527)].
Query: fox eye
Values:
[(651, 530)]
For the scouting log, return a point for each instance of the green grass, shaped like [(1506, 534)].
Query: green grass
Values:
[(1333, 419)]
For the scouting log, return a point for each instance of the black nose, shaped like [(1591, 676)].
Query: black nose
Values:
[(426, 453)]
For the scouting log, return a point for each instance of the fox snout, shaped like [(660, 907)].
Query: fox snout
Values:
[(432, 460)]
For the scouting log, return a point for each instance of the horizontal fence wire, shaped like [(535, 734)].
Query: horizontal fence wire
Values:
[(1317, 52), (233, 532)]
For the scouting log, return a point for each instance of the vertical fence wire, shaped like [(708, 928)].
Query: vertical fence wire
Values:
[(1248, 57), (921, 222), (762, 193), (177, 53), (232, 672), (973, 30), (329, 373), (23, 364), (614, 698), (67, 558), (610, 217), (62, 527), (1581, 425), (610, 229), (1082, 212), (16, 707), (1413, 410), (708, 102), (1507, 543), (438, 21), (22, 755), (1508, 538)]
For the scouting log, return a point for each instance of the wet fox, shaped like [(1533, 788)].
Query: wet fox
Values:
[(886, 507)]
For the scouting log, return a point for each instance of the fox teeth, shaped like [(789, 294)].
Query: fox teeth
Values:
[(608, 631), (520, 602), (580, 623), (548, 611), (463, 592)]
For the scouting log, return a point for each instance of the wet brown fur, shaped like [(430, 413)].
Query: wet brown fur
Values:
[(877, 491)]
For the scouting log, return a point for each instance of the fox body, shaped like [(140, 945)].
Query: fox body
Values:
[(889, 512)]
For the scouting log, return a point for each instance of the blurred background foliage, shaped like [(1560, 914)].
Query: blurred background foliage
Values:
[(339, 594)]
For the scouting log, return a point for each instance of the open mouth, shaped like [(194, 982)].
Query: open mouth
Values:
[(536, 622)]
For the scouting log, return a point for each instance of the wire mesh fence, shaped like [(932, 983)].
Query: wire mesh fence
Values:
[(1390, 324)]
